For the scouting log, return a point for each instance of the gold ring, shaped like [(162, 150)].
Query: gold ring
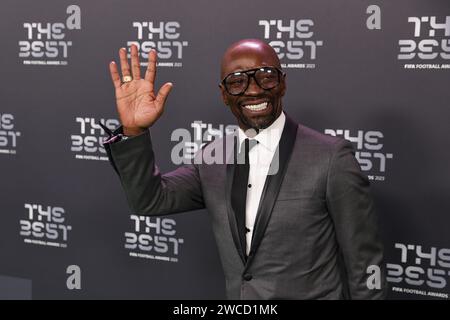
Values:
[(127, 79)]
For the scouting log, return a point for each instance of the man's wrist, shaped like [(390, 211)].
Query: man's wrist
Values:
[(131, 132)]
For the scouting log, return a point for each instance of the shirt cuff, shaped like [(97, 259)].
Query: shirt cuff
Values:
[(113, 136)]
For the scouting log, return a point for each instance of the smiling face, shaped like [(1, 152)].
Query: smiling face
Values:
[(255, 108)]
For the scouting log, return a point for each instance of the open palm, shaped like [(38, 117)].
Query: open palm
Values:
[(137, 104)]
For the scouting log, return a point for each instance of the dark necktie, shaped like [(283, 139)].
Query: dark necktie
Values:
[(239, 188)]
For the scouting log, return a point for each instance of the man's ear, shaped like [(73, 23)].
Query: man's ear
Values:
[(224, 94)]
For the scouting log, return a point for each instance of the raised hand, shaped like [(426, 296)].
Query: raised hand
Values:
[(137, 104)]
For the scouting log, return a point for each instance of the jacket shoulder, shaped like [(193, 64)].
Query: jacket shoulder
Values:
[(310, 137)]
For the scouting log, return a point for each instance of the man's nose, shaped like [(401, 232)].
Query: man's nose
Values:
[(253, 88)]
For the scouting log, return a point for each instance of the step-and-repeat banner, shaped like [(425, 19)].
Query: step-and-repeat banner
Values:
[(374, 72)]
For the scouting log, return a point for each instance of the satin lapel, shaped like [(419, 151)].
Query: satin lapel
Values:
[(230, 143), (273, 184)]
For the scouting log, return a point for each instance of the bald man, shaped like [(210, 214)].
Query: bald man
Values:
[(296, 220)]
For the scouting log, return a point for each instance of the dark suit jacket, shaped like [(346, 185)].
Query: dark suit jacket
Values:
[(315, 232)]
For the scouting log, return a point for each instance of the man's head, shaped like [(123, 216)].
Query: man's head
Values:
[(259, 105)]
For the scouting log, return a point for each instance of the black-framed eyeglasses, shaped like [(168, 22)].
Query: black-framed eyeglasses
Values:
[(267, 78)]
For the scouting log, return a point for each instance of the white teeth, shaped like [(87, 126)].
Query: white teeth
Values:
[(256, 107)]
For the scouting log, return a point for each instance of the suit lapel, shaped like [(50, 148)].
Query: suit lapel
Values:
[(273, 184), (229, 158)]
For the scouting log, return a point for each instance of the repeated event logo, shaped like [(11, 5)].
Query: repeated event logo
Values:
[(44, 225), (369, 151), (8, 134), (189, 143), (422, 271), (153, 238), (429, 45), (293, 40), (48, 43), (88, 144), (165, 37)]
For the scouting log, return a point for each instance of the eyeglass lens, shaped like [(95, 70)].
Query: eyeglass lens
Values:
[(266, 78)]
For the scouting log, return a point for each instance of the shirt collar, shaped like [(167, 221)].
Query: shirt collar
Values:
[(269, 137)]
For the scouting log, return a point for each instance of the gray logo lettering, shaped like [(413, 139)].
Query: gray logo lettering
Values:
[(374, 20), (74, 279), (374, 279)]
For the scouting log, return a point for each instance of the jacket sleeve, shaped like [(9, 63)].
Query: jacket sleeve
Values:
[(352, 209), (148, 191)]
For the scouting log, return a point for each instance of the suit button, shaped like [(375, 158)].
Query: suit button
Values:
[(248, 277)]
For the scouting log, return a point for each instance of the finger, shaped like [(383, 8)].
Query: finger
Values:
[(135, 65), (114, 74), (124, 62), (151, 68), (163, 93)]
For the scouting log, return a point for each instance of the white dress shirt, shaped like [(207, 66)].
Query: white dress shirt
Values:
[(260, 157)]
